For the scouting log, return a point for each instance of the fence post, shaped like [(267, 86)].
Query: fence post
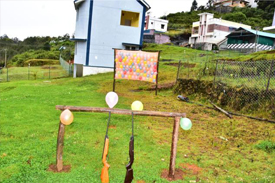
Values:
[(178, 71), (270, 75), (7, 73), (29, 71), (174, 147), (49, 72)]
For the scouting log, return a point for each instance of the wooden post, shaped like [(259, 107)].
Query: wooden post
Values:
[(178, 71), (114, 82), (176, 116), (157, 74), (270, 75), (174, 147), (59, 149)]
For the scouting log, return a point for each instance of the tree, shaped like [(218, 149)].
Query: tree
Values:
[(235, 17), (209, 4), (201, 8), (194, 6)]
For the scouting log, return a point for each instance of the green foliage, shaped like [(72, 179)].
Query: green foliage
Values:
[(266, 146), (19, 60), (256, 17), (235, 16), (194, 6), (262, 55), (52, 44)]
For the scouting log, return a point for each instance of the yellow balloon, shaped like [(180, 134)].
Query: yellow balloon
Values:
[(137, 106)]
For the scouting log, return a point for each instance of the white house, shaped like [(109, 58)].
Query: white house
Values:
[(209, 31), (156, 24), (271, 28), (102, 26)]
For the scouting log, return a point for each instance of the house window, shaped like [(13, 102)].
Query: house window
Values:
[(129, 18), (127, 48), (162, 26), (133, 48)]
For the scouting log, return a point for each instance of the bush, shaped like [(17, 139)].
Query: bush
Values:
[(266, 146)]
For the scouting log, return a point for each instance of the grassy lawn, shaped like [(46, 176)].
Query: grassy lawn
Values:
[(221, 149), (32, 73)]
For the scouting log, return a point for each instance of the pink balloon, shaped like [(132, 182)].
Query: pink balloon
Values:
[(111, 99)]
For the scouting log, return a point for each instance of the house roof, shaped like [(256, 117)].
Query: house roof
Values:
[(142, 2), (259, 33), (77, 3), (145, 4)]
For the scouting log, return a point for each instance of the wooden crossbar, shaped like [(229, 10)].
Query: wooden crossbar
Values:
[(120, 111), (176, 116)]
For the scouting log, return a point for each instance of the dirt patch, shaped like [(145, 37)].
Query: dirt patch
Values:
[(178, 175), (52, 168), (112, 126), (186, 65), (47, 67), (140, 181), (163, 86), (191, 168)]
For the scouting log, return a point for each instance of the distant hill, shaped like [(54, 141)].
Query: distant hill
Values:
[(259, 17)]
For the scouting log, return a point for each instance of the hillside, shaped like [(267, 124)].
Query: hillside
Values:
[(34, 48), (259, 17)]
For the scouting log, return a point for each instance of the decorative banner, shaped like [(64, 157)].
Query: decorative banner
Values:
[(136, 65)]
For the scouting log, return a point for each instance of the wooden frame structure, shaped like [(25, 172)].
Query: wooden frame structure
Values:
[(114, 79), (176, 116)]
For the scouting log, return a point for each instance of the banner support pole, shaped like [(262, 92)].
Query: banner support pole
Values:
[(114, 82)]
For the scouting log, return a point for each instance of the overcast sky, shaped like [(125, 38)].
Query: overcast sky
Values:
[(25, 18)]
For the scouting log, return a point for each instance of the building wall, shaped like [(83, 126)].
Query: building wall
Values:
[(80, 52), (82, 16), (161, 39), (212, 30), (107, 33), (155, 23)]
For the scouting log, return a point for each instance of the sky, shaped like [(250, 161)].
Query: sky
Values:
[(25, 18)]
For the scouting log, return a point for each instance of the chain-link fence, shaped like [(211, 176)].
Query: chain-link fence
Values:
[(30, 72), (245, 85), (67, 66)]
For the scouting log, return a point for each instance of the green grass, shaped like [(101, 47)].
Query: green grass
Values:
[(32, 73), (29, 125)]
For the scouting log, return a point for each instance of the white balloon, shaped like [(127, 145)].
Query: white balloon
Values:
[(111, 99)]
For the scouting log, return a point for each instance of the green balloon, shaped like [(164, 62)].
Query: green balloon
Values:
[(185, 123)]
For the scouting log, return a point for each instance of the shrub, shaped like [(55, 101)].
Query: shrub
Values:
[(266, 146)]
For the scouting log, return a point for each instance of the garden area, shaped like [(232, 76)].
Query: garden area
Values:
[(216, 149)]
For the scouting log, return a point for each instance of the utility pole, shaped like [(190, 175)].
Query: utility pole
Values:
[(256, 39)]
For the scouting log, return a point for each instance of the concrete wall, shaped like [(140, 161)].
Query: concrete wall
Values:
[(95, 70)]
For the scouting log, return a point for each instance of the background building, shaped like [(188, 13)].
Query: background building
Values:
[(152, 36), (250, 40), (209, 31), (224, 6), (156, 24), (102, 26)]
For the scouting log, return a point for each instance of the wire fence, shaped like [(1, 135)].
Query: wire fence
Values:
[(245, 85), (240, 86), (33, 73)]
